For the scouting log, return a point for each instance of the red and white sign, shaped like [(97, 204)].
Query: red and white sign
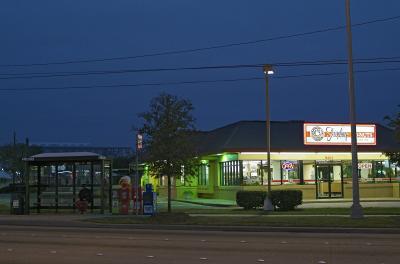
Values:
[(287, 165), (337, 134)]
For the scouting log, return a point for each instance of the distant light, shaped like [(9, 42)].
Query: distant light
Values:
[(270, 72)]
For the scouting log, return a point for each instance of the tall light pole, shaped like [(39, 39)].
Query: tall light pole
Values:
[(268, 71), (356, 209)]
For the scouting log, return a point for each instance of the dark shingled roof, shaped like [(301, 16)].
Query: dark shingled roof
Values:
[(286, 136)]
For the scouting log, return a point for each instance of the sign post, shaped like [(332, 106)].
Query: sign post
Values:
[(139, 146)]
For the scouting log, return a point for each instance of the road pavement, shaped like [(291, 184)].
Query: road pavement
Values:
[(44, 245)]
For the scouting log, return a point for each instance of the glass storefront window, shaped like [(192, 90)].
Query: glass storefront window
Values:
[(252, 174), (255, 172), (275, 172), (290, 172), (309, 172), (369, 171), (365, 171), (383, 172), (395, 172), (231, 173), (203, 174), (163, 181), (347, 178)]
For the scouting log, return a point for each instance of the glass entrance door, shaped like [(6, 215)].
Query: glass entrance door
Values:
[(329, 181)]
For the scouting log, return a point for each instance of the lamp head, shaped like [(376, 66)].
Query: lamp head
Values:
[(268, 69)]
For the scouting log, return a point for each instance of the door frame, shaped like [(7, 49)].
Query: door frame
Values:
[(330, 168)]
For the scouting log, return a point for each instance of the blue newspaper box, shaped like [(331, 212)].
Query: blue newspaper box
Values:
[(149, 200)]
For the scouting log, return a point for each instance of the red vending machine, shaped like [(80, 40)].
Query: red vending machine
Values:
[(124, 196)]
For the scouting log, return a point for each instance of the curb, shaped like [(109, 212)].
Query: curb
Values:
[(149, 227), (91, 226)]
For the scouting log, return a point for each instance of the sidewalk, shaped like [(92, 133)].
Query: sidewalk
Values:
[(210, 202), (322, 203)]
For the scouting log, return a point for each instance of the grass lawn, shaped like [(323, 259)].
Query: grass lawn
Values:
[(256, 220), (4, 209), (329, 217)]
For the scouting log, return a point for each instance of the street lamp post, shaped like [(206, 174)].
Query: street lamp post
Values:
[(356, 209), (139, 146), (268, 71)]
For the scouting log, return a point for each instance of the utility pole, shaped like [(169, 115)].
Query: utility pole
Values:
[(268, 71), (14, 139), (14, 157), (356, 209)]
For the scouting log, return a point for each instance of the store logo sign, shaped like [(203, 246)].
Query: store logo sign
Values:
[(317, 133), (338, 134)]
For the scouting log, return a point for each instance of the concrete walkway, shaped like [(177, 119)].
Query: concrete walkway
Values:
[(286, 215), (324, 203), (347, 204)]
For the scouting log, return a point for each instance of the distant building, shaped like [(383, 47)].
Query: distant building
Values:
[(108, 151)]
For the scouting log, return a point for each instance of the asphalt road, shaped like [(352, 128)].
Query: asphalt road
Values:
[(91, 245)]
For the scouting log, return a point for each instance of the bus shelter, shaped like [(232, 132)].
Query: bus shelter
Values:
[(53, 181)]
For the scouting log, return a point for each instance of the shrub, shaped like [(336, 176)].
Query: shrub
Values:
[(286, 200), (250, 199)]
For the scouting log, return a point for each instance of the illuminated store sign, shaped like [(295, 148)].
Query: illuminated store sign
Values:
[(287, 165), (338, 134), (365, 165)]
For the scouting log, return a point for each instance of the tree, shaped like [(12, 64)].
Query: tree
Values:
[(11, 157), (121, 162), (168, 128), (394, 122)]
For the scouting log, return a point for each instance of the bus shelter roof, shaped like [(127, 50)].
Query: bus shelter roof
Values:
[(65, 157)]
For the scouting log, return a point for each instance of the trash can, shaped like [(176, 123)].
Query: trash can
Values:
[(17, 199)]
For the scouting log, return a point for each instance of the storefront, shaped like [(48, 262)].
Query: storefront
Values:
[(312, 157)]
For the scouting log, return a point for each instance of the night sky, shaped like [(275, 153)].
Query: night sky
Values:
[(57, 31)]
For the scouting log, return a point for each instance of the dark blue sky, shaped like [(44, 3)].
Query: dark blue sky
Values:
[(47, 31)]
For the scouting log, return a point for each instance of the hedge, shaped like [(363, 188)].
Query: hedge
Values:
[(250, 199), (286, 200)]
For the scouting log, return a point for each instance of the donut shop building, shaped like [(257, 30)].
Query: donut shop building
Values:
[(310, 156)]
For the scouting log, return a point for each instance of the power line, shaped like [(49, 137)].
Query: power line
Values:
[(189, 82), (215, 67), (335, 73), (300, 63), (192, 50), (130, 85)]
